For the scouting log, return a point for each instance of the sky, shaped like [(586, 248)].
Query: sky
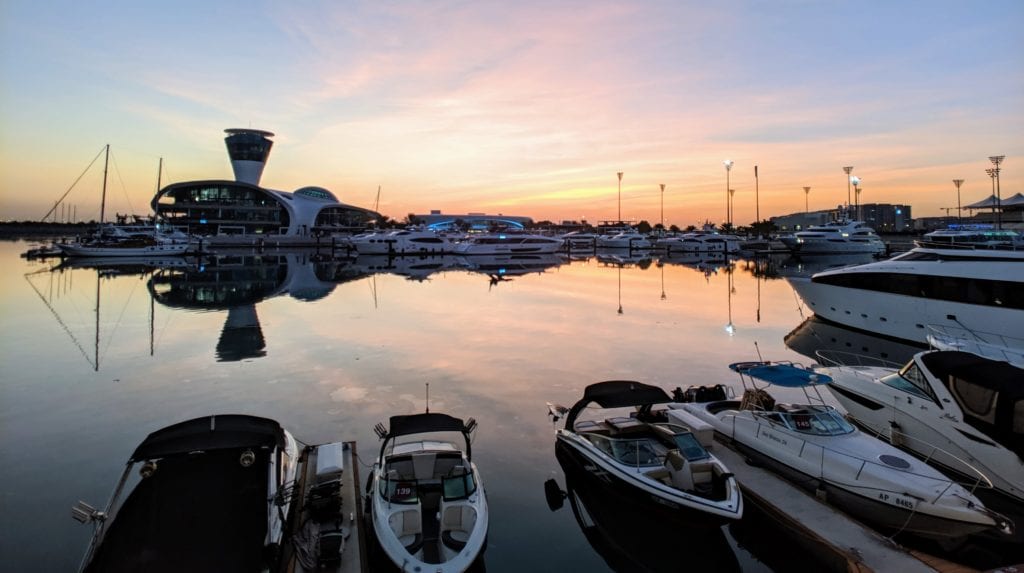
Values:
[(520, 108)]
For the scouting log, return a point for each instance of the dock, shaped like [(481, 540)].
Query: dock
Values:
[(827, 533)]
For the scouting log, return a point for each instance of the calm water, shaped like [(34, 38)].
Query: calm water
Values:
[(331, 348)]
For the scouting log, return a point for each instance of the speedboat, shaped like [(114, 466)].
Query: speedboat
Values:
[(508, 244), (402, 242), (210, 494), (624, 240), (428, 506), (650, 458), (836, 237), (960, 411), (814, 446), (977, 290)]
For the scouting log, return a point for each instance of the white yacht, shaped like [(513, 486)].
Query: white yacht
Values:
[(972, 237), (141, 246), (402, 242), (428, 508), (1005, 348), (508, 244), (960, 411), (976, 290), (580, 240), (813, 445), (835, 237), (624, 240), (701, 242)]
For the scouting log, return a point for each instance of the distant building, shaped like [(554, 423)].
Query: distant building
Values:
[(887, 218), (438, 221), (800, 221), (242, 207)]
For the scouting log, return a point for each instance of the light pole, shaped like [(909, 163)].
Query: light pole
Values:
[(620, 197), (996, 160), (992, 174), (807, 193), (728, 167), (959, 217), (856, 197), (757, 198), (663, 208), (731, 193), (847, 170)]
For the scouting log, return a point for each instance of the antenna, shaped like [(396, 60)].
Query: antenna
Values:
[(758, 352), (376, 202), (428, 397)]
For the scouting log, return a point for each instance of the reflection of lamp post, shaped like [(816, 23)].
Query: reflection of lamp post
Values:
[(731, 193), (662, 208), (959, 217), (856, 195), (620, 197), (728, 167), (728, 281), (847, 170), (620, 289), (992, 174), (807, 193), (996, 160)]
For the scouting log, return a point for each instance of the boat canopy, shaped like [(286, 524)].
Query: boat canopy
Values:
[(210, 433), (617, 394), (995, 375), (781, 374), (420, 423)]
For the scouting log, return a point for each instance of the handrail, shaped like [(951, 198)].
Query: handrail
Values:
[(840, 358)]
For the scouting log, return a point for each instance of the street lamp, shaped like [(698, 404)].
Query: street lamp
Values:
[(992, 174), (620, 197), (728, 167), (731, 193), (959, 217), (847, 170), (856, 198), (662, 207), (807, 193), (996, 160)]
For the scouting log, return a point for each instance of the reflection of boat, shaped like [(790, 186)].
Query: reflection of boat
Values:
[(814, 446), (981, 290), (651, 459), (835, 237), (508, 244), (429, 510), (414, 267), (814, 334), (959, 410), (627, 543), (808, 265), (211, 494), (126, 265), (402, 242), (511, 265)]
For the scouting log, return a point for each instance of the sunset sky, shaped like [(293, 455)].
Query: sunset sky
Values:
[(521, 108)]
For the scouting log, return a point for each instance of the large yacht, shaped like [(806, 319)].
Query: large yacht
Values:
[(981, 291), (836, 237), (972, 237), (508, 243)]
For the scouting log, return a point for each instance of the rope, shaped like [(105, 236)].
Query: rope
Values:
[(54, 208)]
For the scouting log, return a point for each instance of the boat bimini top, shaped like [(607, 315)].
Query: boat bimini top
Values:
[(617, 394), (425, 423), (784, 374)]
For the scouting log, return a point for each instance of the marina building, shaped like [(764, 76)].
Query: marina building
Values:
[(243, 207), (439, 221)]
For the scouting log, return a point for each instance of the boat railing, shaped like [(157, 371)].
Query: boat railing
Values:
[(839, 358), (987, 344)]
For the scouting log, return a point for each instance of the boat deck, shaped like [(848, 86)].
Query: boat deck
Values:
[(828, 533)]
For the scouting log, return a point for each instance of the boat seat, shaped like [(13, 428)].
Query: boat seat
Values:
[(408, 529), (423, 465), (688, 476)]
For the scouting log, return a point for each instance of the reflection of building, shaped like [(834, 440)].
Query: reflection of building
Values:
[(439, 221), (242, 207)]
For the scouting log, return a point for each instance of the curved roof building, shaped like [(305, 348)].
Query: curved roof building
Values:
[(243, 207)]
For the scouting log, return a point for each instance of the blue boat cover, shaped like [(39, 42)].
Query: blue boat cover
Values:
[(781, 374)]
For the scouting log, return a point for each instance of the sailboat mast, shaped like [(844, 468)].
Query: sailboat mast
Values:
[(159, 172), (103, 201)]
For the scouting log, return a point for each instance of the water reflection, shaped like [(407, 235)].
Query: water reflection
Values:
[(814, 334), (630, 541)]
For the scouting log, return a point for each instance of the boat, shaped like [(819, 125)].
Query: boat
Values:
[(842, 236), (976, 290), (1005, 348), (580, 240), (972, 237), (959, 411), (649, 457), (427, 502), (402, 242), (141, 246), (210, 494), (508, 244), (624, 240), (812, 444), (701, 242)]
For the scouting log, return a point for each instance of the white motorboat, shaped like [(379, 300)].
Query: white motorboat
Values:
[(701, 242), (835, 237), (210, 494), (651, 458), (959, 411), (972, 237), (508, 244), (402, 242), (428, 506), (624, 240), (143, 246), (976, 290), (814, 446), (996, 347), (580, 240)]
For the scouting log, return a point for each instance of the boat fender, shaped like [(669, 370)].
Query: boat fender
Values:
[(247, 458), (147, 469)]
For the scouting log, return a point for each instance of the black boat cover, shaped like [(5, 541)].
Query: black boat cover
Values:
[(210, 433), (428, 422), (617, 394)]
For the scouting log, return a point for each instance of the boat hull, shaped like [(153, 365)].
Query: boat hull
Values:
[(158, 250)]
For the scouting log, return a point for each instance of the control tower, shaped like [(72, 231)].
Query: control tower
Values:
[(248, 149)]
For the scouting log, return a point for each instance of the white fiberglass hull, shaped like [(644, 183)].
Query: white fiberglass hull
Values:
[(85, 250), (902, 316), (828, 247)]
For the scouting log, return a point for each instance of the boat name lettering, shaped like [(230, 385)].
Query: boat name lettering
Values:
[(896, 500), (773, 437)]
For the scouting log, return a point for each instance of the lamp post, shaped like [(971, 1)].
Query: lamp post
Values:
[(731, 193), (992, 175), (847, 170), (807, 193), (728, 167), (663, 208), (996, 160), (856, 197), (620, 197), (959, 217)]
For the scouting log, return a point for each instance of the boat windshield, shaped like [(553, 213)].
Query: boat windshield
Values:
[(911, 380), (634, 452), (690, 447), (812, 420)]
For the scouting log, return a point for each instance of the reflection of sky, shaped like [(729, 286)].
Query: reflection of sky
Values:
[(337, 365)]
